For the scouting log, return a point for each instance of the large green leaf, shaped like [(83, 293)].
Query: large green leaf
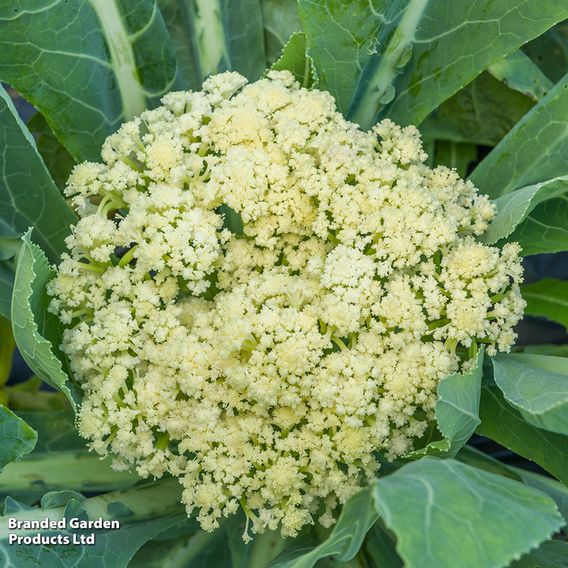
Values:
[(16, 437), (176, 14), (534, 151), (551, 487), (86, 65), (143, 513), (514, 207), (281, 20), (502, 423), (550, 51), (546, 349), (28, 195), (545, 230), (537, 386), (552, 554), (295, 60), (9, 247), (430, 50), (457, 411), (475, 458), (445, 514), (36, 331), (554, 489), (380, 547), (210, 36), (340, 37), (547, 298), (357, 516), (483, 112), (519, 73)]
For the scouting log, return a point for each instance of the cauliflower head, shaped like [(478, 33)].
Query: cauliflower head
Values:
[(259, 297)]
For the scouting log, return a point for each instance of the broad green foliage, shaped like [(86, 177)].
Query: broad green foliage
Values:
[(428, 52), (86, 65), (554, 489), (483, 112), (210, 36), (547, 298), (471, 456), (502, 423), (521, 74), (30, 395), (176, 14), (553, 554), (57, 159), (357, 516), (281, 20), (341, 37), (534, 151), (551, 487), (484, 80), (547, 349), (537, 386), (36, 331), (9, 247), (28, 195), (294, 59), (545, 230), (550, 51), (514, 207), (457, 411), (144, 512), (494, 520), (16, 437), (380, 547)]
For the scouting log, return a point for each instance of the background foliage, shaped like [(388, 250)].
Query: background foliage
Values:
[(486, 82)]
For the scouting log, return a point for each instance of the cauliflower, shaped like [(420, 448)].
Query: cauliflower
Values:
[(260, 296)]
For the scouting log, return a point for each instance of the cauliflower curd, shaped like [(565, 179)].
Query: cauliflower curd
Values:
[(259, 297)]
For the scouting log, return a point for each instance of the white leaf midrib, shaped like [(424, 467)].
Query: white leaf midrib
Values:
[(122, 57)]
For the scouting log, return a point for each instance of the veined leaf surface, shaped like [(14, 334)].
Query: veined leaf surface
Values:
[(494, 520), (28, 195), (537, 386), (86, 65)]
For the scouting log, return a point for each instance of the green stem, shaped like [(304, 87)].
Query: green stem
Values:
[(128, 256), (76, 470), (339, 343), (91, 267)]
